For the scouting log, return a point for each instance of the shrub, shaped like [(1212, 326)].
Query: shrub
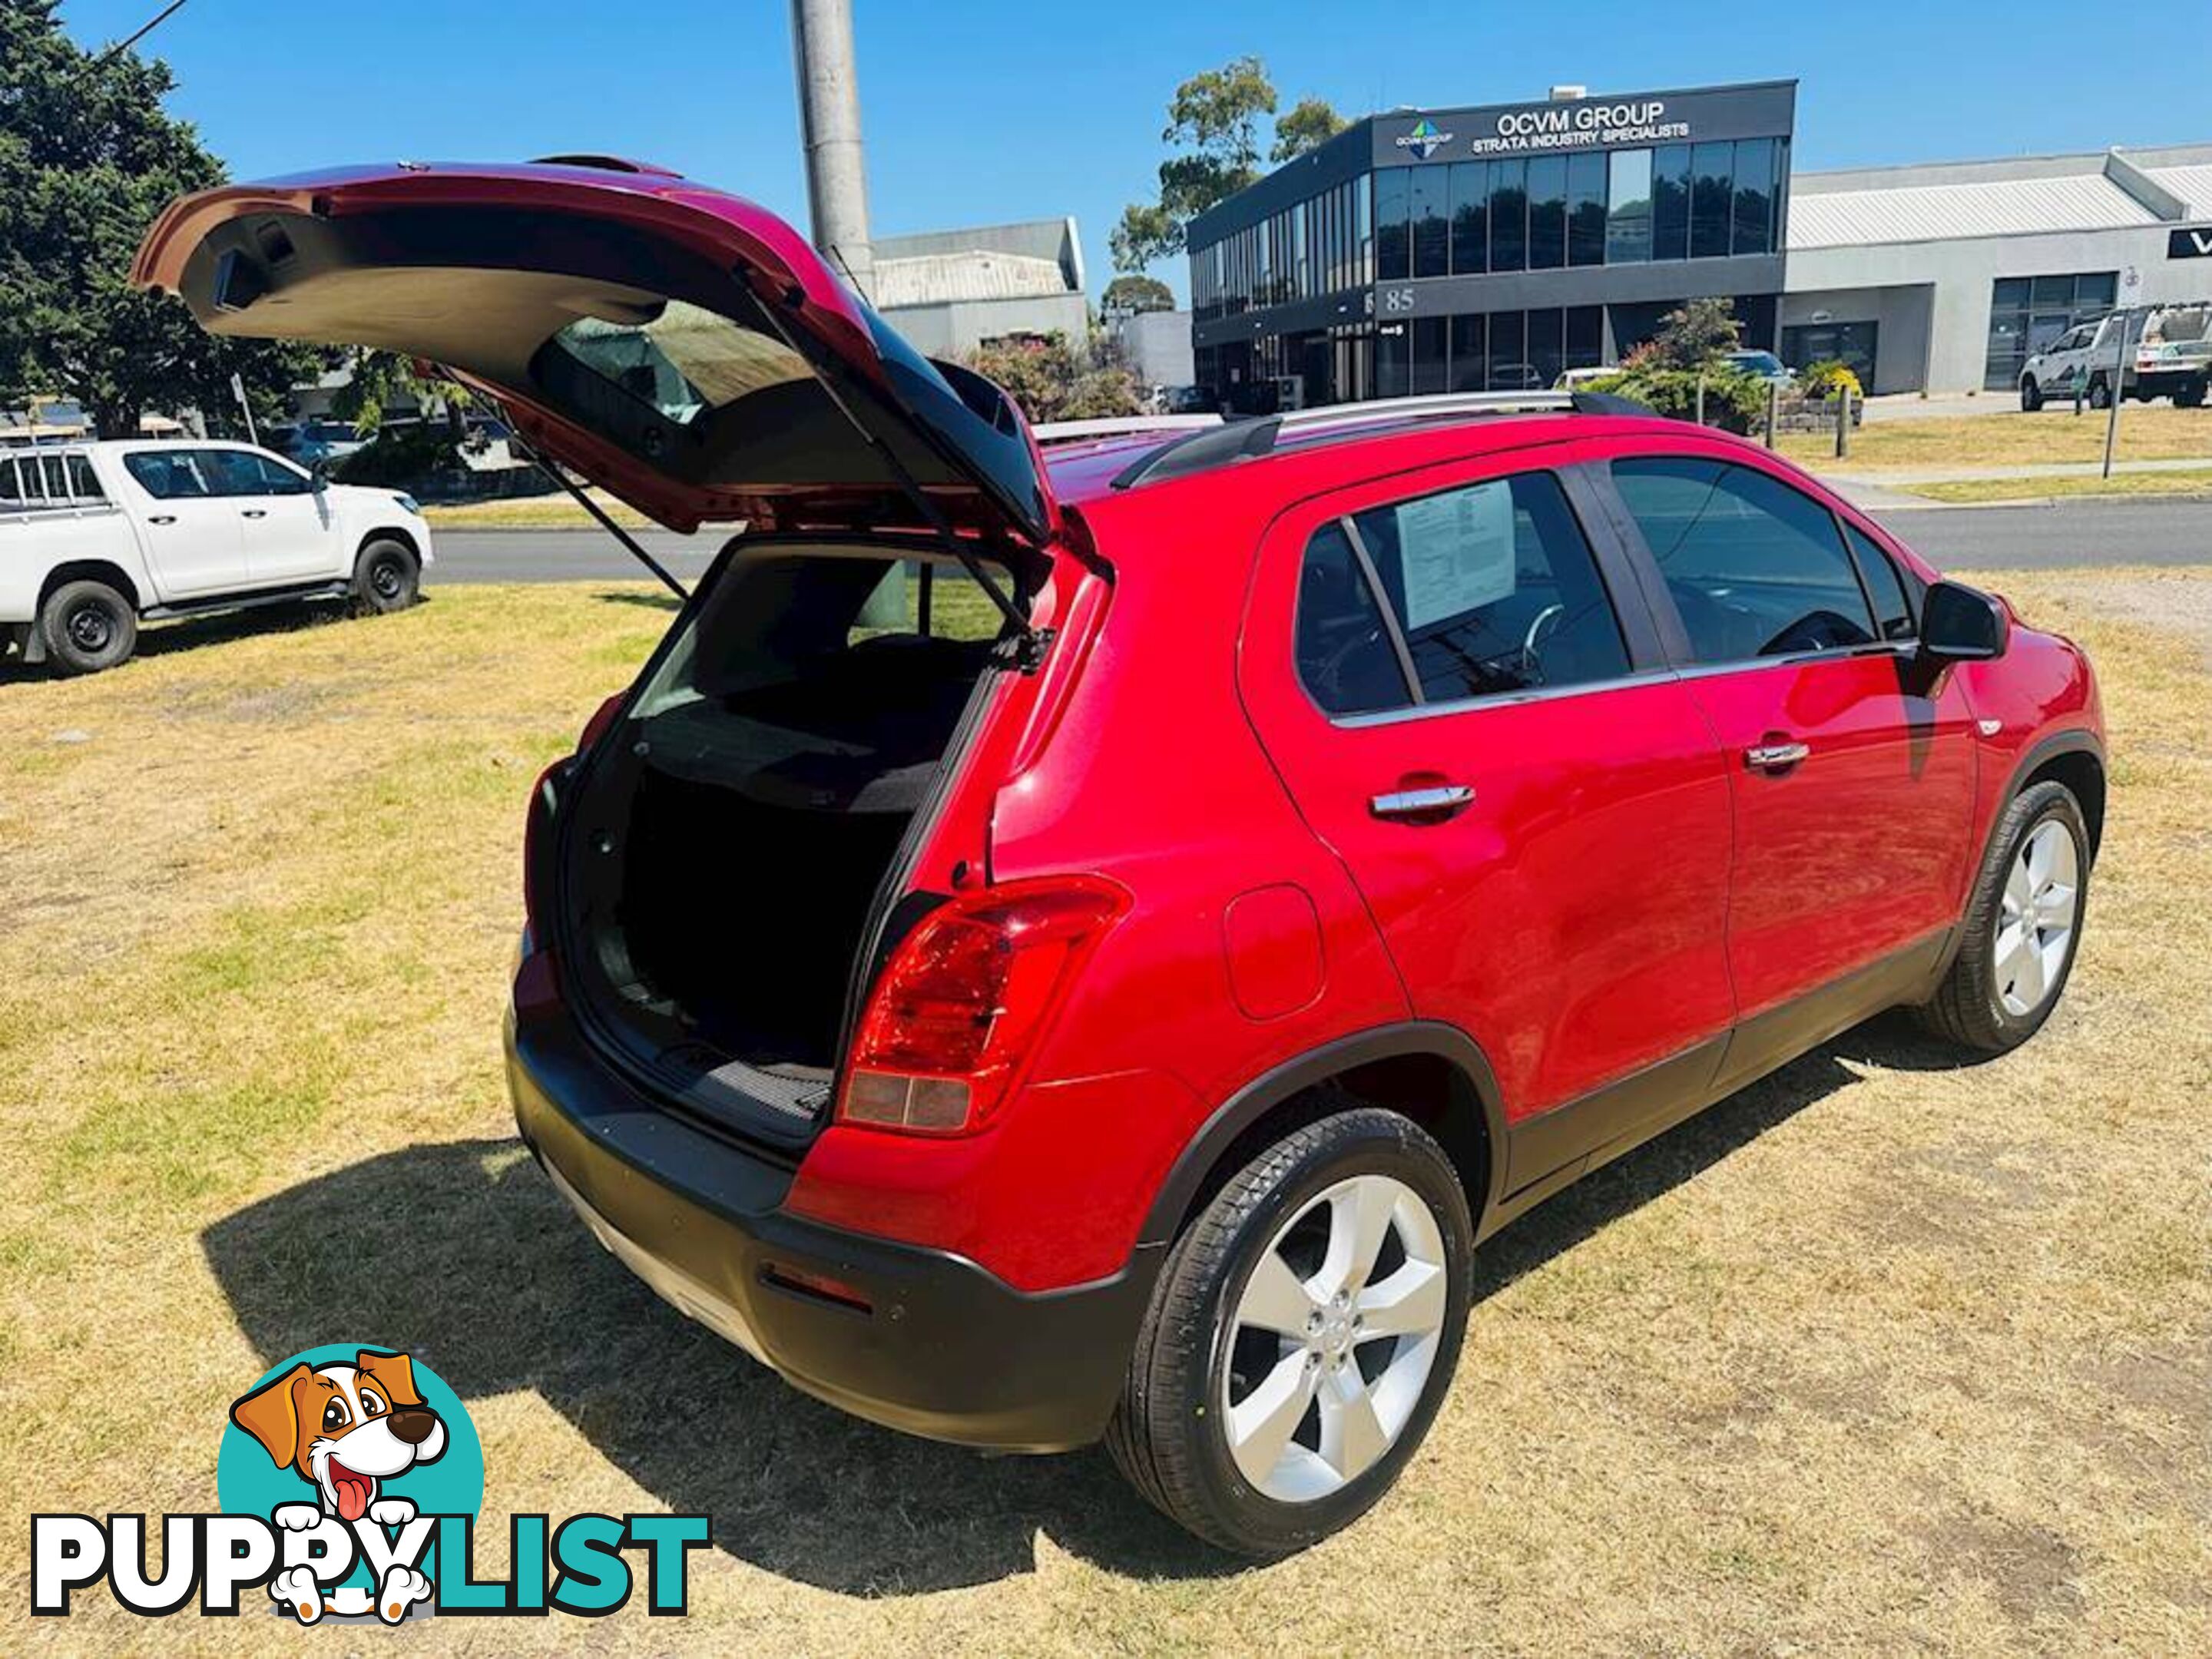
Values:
[(1735, 402), (1822, 379)]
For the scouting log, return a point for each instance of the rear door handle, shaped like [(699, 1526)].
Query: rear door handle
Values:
[(162, 518), (1438, 801), (1775, 757), (255, 512)]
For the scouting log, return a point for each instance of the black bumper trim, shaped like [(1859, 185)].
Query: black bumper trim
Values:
[(945, 1348)]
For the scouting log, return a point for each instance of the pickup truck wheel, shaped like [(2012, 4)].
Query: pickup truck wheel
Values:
[(2190, 395), (1303, 1334), (2031, 396), (2023, 926), (2101, 393), (386, 578), (88, 626)]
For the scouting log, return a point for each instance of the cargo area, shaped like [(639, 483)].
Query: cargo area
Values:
[(737, 828)]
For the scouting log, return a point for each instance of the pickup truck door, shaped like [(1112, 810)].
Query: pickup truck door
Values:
[(194, 538), (290, 536)]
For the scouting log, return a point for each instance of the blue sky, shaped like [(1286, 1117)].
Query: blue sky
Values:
[(992, 110)]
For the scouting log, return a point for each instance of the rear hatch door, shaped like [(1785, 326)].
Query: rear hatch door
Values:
[(685, 349)]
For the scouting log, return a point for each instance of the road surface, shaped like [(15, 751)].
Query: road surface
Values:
[(2026, 538)]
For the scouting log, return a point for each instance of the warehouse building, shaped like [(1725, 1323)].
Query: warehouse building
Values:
[(950, 291), (1945, 278), (1495, 246)]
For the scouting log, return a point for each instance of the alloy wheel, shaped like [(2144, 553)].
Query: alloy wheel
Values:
[(2041, 902), (1333, 1338)]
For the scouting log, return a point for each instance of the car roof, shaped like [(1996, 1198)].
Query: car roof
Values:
[(1325, 448)]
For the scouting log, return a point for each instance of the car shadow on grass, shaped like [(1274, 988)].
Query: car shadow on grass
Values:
[(463, 1254), (196, 633)]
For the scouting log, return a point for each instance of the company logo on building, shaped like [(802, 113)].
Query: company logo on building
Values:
[(1424, 140), (1580, 124)]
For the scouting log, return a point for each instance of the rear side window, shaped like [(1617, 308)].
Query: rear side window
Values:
[(1483, 591), (169, 475), (1755, 568)]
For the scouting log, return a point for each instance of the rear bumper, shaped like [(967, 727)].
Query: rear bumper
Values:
[(941, 1348)]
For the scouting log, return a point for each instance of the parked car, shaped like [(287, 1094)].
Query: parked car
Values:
[(316, 440), (1127, 1019), (1762, 366), (2171, 357), (1576, 378), (96, 538)]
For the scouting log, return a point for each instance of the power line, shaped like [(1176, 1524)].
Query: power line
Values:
[(160, 18)]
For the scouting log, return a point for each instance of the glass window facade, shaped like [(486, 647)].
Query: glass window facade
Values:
[(2026, 314), (1566, 209), (1625, 207)]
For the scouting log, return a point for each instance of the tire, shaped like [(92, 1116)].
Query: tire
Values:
[(387, 577), (2031, 396), (2101, 393), (88, 626), (2190, 395), (1983, 1004), (1197, 1363)]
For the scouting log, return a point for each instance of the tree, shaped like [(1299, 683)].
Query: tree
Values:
[(1052, 378), (1127, 295), (1696, 337), (380, 379), (1680, 370), (1213, 125), (87, 158), (1311, 123)]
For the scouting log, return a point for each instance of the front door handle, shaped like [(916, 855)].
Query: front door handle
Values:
[(1439, 801), (1775, 757), (162, 518), (255, 512)]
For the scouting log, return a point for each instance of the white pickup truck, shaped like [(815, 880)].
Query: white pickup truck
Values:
[(96, 536), (2171, 357)]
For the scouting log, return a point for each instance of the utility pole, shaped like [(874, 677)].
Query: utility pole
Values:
[(829, 122)]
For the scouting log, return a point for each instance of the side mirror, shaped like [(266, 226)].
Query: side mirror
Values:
[(1960, 623), (318, 476)]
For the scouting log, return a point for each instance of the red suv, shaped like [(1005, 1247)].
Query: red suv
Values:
[(1055, 947)]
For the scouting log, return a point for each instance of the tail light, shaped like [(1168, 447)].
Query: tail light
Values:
[(537, 841), (957, 1011)]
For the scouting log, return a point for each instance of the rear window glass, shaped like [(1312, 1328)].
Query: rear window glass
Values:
[(682, 362)]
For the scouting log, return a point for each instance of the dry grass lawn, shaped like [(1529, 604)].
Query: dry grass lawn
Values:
[(1880, 1355), (2189, 484), (2005, 437)]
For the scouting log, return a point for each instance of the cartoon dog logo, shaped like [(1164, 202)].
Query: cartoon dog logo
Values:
[(345, 1430)]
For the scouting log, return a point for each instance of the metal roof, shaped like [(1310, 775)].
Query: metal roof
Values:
[(1929, 213), (2191, 183), (977, 274)]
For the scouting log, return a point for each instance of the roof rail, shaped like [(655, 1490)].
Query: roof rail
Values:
[(1251, 439), (1068, 432)]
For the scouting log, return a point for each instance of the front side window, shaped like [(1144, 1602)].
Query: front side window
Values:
[(244, 473), (1885, 587), (1487, 589), (1755, 568)]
